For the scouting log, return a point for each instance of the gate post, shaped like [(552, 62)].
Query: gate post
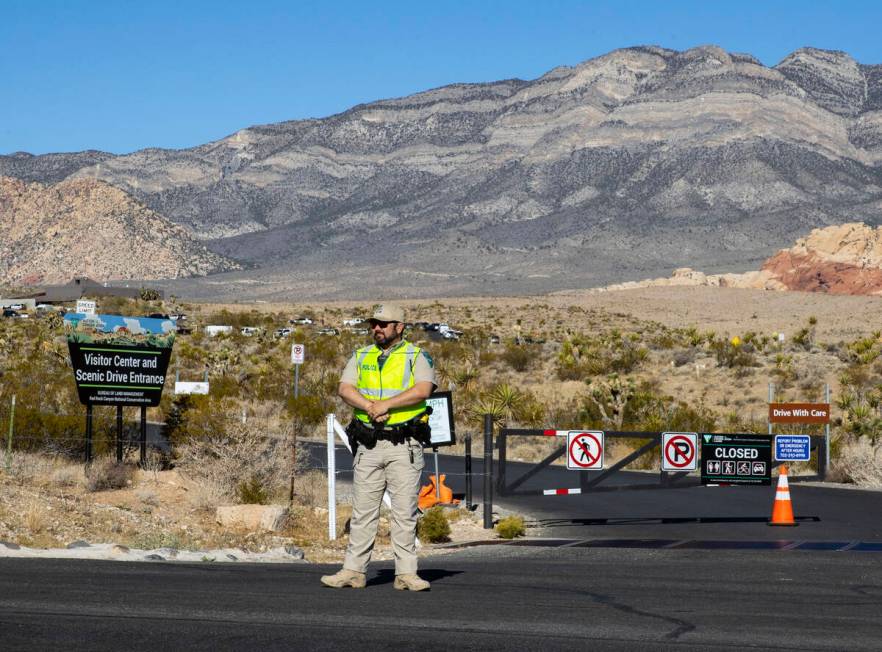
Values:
[(501, 443), (488, 472), (468, 471)]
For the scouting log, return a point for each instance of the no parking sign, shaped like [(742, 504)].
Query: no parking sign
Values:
[(584, 450), (679, 451)]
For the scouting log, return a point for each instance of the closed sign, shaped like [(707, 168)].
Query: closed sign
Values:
[(736, 459)]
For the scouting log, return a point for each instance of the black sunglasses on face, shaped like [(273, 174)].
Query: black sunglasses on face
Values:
[(381, 324)]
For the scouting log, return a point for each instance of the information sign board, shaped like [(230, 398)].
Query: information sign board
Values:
[(183, 387), (793, 448), (736, 459), (119, 360), (441, 420)]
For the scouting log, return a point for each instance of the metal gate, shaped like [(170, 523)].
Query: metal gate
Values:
[(593, 481)]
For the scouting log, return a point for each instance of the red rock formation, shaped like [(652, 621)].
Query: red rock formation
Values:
[(843, 259)]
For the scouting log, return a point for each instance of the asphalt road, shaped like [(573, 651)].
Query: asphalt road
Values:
[(494, 598)]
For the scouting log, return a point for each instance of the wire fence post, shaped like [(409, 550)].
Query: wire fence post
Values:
[(143, 442), (9, 439), (332, 476), (488, 471), (88, 433), (119, 433)]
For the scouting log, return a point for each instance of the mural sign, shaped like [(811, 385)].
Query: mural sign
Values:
[(119, 360)]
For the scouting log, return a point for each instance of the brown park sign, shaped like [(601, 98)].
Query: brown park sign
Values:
[(799, 413)]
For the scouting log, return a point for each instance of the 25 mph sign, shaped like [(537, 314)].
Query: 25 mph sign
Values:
[(679, 451)]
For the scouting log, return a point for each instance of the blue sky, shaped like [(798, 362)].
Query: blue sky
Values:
[(124, 75)]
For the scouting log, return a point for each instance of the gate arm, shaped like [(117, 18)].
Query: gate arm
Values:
[(529, 474), (623, 462)]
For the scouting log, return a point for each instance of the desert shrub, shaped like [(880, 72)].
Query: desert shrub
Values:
[(309, 410), (510, 527), (252, 492), (733, 354), (582, 356), (683, 356), (434, 527), (858, 460), (106, 473), (506, 404), (519, 358), (222, 460)]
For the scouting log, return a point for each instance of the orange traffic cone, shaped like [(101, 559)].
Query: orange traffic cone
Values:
[(782, 511), (427, 497)]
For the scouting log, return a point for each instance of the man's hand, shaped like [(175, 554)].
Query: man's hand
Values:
[(378, 411)]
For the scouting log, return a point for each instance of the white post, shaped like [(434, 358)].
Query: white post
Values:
[(332, 478)]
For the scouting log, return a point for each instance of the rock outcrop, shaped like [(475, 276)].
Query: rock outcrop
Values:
[(85, 227), (843, 259)]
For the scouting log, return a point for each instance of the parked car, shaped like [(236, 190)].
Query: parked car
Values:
[(353, 321), (217, 329), (301, 320), (449, 335), (282, 332), (9, 312), (494, 339), (16, 306), (248, 331), (328, 331)]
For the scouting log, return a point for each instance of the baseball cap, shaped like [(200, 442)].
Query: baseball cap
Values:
[(388, 312)]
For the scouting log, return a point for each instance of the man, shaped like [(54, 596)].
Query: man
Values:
[(387, 384)]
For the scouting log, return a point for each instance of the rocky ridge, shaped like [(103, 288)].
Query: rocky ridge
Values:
[(84, 227), (625, 166)]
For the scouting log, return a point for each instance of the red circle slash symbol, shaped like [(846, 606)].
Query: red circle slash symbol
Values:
[(679, 451), (581, 450)]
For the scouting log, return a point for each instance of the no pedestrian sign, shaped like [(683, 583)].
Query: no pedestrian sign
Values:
[(584, 450), (679, 451)]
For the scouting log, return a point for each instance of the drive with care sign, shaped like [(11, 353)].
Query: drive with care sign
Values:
[(736, 459)]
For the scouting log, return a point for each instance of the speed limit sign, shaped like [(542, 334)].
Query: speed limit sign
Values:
[(298, 352)]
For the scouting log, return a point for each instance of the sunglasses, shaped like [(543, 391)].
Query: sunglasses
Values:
[(381, 324)]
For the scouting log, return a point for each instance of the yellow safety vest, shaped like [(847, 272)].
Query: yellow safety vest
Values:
[(395, 377)]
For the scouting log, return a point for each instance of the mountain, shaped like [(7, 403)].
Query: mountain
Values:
[(622, 167), (85, 227)]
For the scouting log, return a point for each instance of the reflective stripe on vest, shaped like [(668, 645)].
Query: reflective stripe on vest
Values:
[(395, 378)]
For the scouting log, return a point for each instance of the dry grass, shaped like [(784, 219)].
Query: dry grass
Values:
[(35, 518)]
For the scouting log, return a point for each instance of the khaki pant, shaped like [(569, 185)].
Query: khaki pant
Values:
[(385, 467)]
